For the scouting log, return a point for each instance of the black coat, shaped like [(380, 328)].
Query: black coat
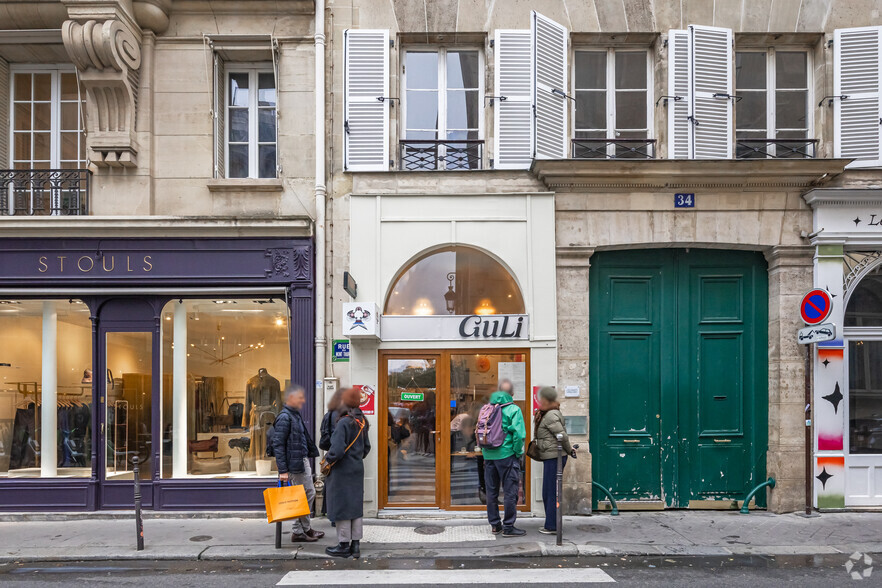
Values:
[(327, 429), (345, 484), (290, 435)]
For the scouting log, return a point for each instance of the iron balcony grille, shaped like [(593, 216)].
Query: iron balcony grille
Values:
[(775, 148), (418, 155), (613, 149), (44, 192)]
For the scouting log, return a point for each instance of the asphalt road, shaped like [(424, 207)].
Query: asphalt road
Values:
[(738, 571)]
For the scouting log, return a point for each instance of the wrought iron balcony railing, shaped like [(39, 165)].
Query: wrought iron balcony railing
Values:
[(775, 148), (613, 149), (32, 192), (441, 155)]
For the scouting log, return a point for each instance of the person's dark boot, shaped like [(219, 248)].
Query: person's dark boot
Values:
[(341, 550), (355, 549)]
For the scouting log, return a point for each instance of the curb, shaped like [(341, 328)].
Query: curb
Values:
[(528, 549)]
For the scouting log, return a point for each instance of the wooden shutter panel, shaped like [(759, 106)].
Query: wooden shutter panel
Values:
[(5, 157), (549, 45), (366, 119), (512, 117), (711, 50), (219, 114), (680, 85), (856, 119)]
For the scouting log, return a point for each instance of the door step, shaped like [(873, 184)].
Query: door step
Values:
[(632, 505), (437, 513)]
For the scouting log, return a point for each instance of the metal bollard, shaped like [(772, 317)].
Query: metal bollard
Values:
[(139, 523), (559, 489), (278, 535)]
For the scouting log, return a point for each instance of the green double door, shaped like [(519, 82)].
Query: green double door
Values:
[(679, 374)]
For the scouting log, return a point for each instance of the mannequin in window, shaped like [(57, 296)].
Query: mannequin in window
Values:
[(263, 393)]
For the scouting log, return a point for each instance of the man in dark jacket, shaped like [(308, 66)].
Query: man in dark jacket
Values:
[(293, 448)]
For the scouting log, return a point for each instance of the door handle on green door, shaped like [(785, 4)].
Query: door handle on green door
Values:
[(631, 440), (722, 440)]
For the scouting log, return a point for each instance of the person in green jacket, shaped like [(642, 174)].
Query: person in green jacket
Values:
[(502, 465)]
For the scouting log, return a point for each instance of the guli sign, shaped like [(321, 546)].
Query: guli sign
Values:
[(495, 327)]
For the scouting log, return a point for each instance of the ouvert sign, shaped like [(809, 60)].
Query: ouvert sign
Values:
[(494, 327)]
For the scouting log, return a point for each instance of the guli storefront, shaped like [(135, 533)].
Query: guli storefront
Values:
[(847, 398), (176, 351), (446, 307)]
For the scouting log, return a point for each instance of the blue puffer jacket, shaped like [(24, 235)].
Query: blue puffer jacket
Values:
[(291, 442)]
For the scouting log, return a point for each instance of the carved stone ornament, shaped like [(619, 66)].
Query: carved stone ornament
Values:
[(107, 53)]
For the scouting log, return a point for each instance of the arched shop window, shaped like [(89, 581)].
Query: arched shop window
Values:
[(865, 305), (457, 281)]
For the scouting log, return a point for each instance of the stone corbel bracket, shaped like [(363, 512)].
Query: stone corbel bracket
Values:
[(107, 54)]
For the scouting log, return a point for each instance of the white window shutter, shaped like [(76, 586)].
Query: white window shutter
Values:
[(856, 119), (550, 105), (512, 112), (711, 49), (219, 107), (366, 82), (679, 86)]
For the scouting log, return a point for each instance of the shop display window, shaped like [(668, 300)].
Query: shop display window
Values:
[(455, 281), (45, 365), (225, 366)]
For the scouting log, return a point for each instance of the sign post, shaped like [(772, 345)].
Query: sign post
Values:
[(814, 309)]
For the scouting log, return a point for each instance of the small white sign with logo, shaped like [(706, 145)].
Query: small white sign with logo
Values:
[(361, 320), (817, 333)]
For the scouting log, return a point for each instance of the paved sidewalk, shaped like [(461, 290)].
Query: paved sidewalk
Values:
[(632, 533)]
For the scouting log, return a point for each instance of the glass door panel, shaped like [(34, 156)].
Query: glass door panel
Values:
[(865, 396), (129, 406), (412, 432), (474, 377)]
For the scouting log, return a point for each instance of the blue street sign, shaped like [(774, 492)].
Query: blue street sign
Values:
[(341, 350), (684, 200)]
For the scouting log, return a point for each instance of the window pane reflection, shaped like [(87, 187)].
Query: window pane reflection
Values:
[(24, 396), (455, 280), (865, 396), (236, 366)]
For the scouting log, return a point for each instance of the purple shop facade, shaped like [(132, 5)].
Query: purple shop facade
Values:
[(126, 283)]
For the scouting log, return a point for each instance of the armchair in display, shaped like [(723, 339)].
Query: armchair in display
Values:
[(207, 465)]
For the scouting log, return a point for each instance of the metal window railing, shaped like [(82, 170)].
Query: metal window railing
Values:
[(613, 148), (44, 192), (418, 155), (775, 148)]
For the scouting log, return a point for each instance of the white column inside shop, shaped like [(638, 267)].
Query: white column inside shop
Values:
[(49, 419), (179, 393)]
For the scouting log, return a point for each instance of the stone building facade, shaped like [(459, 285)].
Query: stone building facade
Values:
[(625, 200)]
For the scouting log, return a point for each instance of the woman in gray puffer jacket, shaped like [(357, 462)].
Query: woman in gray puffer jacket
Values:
[(548, 422)]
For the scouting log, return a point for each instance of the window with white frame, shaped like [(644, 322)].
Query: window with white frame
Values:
[(612, 104), (47, 126), (442, 120), (251, 122), (772, 114)]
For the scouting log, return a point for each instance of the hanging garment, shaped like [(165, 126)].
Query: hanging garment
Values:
[(24, 449)]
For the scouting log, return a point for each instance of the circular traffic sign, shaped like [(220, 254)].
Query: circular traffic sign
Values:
[(816, 306)]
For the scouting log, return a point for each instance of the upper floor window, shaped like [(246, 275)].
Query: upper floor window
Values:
[(251, 123), (771, 117), (47, 127), (612, 110), (441, 124)]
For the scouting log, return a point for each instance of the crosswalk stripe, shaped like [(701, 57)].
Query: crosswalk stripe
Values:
[(445, 577)]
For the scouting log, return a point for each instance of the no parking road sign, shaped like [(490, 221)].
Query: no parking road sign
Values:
[(816, 306)]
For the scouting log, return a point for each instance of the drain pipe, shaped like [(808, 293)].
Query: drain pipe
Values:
[(744, 507), (320, 205)]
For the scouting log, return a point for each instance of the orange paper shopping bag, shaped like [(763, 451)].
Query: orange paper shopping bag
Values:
[(285, 502)]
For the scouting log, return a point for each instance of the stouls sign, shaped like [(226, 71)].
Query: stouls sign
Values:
[(474, 327), (491, 327)]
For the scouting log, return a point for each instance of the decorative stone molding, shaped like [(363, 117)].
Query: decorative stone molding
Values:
[(104, 43), (784, 256), (574, 256)]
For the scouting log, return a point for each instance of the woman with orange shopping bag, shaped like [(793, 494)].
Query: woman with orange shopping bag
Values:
[(293, 449), (343, 467)]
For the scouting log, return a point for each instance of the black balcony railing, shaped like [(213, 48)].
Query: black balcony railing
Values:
[(44, 192), (441, 155), (775, 148), (613, 149)]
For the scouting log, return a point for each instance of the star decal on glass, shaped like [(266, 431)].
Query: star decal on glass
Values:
[(823, 477), (856, 220), (834, 398), (826, 362), (832, 295)]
